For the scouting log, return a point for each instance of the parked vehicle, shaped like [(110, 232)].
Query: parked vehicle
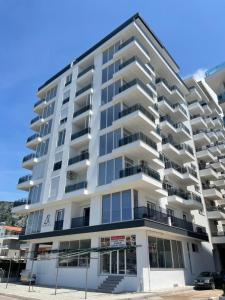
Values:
[(206, 280)]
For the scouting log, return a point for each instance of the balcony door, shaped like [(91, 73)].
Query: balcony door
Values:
[(86, 215)]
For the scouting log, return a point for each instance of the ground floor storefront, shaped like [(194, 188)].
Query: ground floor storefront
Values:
[(143, 259)]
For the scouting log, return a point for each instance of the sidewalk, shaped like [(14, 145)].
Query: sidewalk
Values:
[(45, 293)]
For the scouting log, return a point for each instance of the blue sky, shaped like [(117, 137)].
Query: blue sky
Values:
[(39, 37)]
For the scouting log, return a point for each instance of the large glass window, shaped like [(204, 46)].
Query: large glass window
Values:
[(34, 222), (42, 148), (165, 253), (110, 91), (116, 207), (48, 110), (109, 170), (109, 141), (51, 93), (61, 137), (108, 53), (109, 115), (107, 73), (46, 128), (35, 194)]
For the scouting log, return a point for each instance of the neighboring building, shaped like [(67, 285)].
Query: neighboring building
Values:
[(215, 79), (10, 247), (114, 165)]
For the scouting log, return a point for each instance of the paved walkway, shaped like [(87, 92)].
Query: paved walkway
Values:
[(18, 291)]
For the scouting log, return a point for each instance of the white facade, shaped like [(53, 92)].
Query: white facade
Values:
[(115, 159)]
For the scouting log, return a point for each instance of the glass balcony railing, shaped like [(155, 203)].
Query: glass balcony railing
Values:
[(134, 59), (33, 137), (136, 82), (178, 146), (183, 170), (173, 191), (84, 89), (79, 222), (24, 179), (20, 202), (39, 102), (135, 137), (82, 110), (35, 119), (173, 106), (78, 158), (139, 169), (136, 107), (29, 156), (80, 133), (82, 72), (130, 40), (176, 126), (76, 186), (58, 225)]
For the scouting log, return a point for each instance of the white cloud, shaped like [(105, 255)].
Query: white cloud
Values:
[(199, 74)]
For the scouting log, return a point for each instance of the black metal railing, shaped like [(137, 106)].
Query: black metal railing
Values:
[(82, 110), (76, 186), (19, 202), (79, 222), (78, 158), (35, 119), (58, 225), (24, 178), (29, 156), (81, 73), (80, 133), (186, 195), (215, 208), (135, 137), (136, 82), (32, 137), (84, 89), (136, 107), (139, 169)]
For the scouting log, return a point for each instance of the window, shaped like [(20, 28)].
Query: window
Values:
[(108, 53), (42, 148), (51, 93), (195, 247), (63, 121), (108, 72), (109, 115), (35, 194), (68, 79), (81, 260), (109, 141), (165, 253), (61, 137), (54, 187), (57, 165), (109, 170), (48, 110), (116, 207), (46, 128), (66, 97), (110, 91), (34, 222)]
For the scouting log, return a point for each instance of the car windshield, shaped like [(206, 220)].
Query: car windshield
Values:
[(205, 274)]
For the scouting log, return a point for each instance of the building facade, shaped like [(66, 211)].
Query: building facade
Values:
[(114, 165), (215, 81)]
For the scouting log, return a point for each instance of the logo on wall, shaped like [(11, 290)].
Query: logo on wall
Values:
[(47, 220)]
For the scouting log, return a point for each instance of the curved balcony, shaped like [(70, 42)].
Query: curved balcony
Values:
[(29, 161), (81, 137), (79, 162), (25, 183), (33, 141)]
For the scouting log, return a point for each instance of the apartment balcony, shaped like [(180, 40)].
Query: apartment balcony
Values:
[(163, 218), (182, 153), (222, 159), (217, 122), (132, 68), (132, 47), (181, 175), (81, 137), (85, 76), (215, 213), (167, 108), (220, 135), (183, 199), (136, 146), (207, 172), (205, 155), (212, 193), (29, 161), (20, 206), (40, 105), (220, 183), (83, 92), (58, 225), (207, 109), (36, 123), (215, 150), (209, 121), (25, 183), (218, 237), (79, 222), (171, 92), (218, 166), (79, 162), (82, 113), (200, 138), (195, 108), (76, 191), (33, 141), (179, 131), (198, 122), (138, 118), (177, 95), (194, 94), (134, 91), (213, 136), (221, 146)]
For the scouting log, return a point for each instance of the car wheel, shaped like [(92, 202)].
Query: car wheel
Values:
[(212, 286)]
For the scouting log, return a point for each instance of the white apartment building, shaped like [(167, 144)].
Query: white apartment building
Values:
[(114, 165), (215, 81)]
